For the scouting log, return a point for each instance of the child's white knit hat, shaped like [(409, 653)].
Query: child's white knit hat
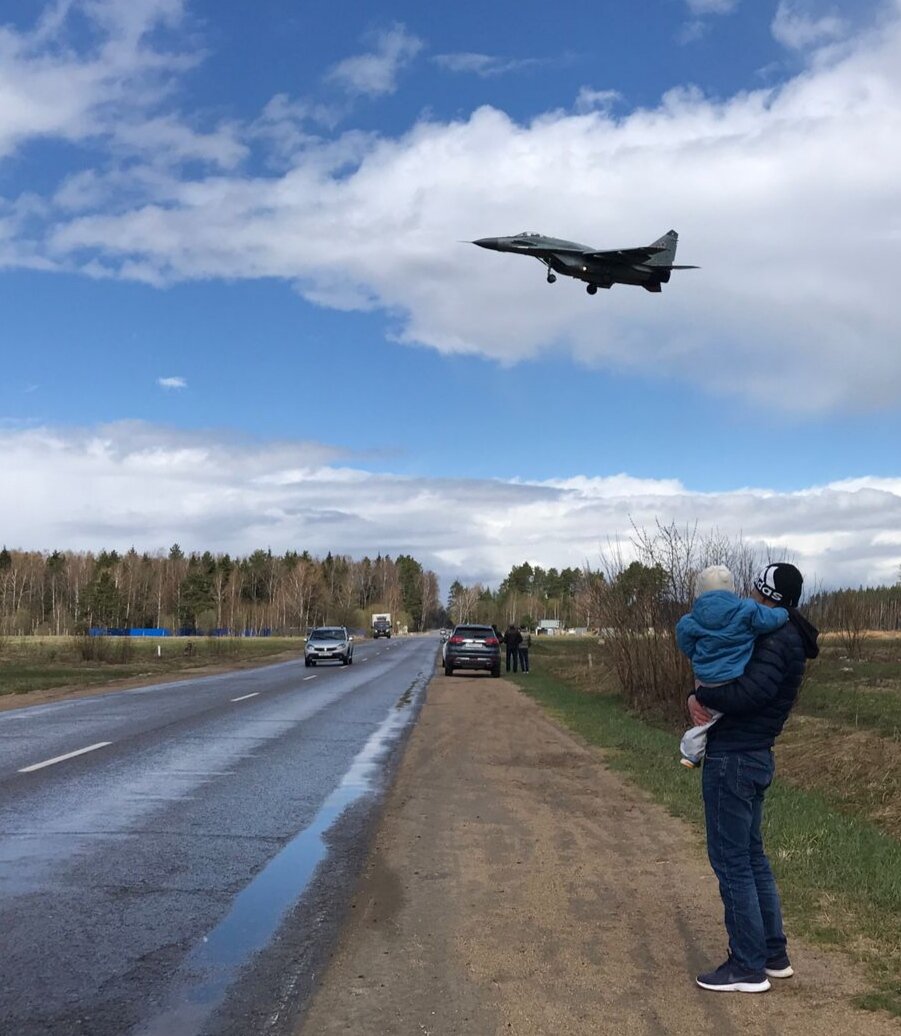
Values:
[(715, 577)]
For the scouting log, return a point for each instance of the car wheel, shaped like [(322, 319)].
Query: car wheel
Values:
[(448, 670), (496, 672), (350, 660), (307, 663)]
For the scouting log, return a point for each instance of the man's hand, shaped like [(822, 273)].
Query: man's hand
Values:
[(697, 711)]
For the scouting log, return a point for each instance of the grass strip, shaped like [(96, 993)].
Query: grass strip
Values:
[(840, 877), (855, 706), (38, 664), (861, 693)]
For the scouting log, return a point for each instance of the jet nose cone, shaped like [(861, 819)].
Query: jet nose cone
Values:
[(488, 242)]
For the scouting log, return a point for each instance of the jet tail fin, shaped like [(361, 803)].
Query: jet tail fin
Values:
[(667, 245)]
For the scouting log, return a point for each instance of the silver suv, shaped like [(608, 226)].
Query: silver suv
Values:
[(329, 644)]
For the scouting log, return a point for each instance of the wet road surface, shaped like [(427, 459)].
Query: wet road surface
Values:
[(176, 859)]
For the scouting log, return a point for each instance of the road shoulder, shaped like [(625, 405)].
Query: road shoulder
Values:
[(516, 884)]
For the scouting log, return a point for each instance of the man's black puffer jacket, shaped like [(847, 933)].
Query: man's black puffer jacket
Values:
[(756, 705)]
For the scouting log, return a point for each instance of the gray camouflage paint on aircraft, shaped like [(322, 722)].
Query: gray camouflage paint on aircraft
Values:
[(649, 265)]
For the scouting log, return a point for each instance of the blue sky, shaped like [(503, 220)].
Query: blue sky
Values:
[(235, 233)]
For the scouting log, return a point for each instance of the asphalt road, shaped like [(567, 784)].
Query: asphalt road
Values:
[(187, 871)]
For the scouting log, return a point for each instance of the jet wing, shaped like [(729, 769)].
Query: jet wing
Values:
[(625, 255)]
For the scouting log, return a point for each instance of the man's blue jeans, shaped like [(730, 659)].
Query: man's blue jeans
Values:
[(734, 787)]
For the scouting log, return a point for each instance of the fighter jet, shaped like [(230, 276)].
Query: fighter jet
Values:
[(650, 266)]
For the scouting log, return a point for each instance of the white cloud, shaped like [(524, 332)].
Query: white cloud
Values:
[(172, 140), (48, 89), (596, 100), (375, 73), (486, 65), (798, 27), (172, 383), (134, 484), (788, 197)]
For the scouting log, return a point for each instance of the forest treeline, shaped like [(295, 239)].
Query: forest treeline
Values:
[(71, 592), (580, 598)]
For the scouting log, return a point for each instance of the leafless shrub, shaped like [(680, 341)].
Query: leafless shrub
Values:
[(638, 603), (93, 649), (850, 614)]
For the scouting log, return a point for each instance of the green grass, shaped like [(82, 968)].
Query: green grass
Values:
[(840, 877), (43, 663), (863, 693), (21, 679)]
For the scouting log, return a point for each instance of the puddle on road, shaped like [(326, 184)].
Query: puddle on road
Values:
[(258, 910)]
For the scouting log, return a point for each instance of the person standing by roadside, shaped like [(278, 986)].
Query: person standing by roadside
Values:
[(738, 769), (512, 640), (524, 645)]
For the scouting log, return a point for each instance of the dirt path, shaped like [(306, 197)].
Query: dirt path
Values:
[(518, 886)]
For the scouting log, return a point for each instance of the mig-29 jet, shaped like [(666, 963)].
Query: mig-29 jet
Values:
[(650, 265)]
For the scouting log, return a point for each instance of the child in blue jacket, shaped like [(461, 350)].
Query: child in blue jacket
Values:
[(718, 637)]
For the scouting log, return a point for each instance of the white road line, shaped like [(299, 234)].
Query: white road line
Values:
[(62, 758), (309, 677), (244, 697)]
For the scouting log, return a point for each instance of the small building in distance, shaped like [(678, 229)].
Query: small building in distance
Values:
[(552, 627)]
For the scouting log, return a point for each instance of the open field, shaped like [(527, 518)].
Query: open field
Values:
[(36, 664), (834, 814), (864, 692)]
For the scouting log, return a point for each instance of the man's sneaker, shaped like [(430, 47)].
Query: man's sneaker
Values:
[(779, 967), (730, 978), (690, 763)]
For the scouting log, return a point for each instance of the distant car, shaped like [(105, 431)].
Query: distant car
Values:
[(472, 647), (329, 644)]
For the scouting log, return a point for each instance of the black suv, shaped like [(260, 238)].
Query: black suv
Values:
[(472, 647)]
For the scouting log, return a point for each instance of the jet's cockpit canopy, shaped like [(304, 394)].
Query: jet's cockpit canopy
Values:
[(529, 233)]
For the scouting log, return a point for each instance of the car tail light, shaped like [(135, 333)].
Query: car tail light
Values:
[(455, 640), (492, 641)]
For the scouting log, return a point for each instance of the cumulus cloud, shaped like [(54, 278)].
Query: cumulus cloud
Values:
[(375, 73), (786, 196), (135, 484), (172, 383)]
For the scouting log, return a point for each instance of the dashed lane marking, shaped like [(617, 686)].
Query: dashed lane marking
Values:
[(244, 697), (62, 758), (313, 677)]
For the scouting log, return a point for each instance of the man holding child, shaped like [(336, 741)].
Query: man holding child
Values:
[(743, 715)]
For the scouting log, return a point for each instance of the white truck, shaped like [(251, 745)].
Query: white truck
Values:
[(381, 625)]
